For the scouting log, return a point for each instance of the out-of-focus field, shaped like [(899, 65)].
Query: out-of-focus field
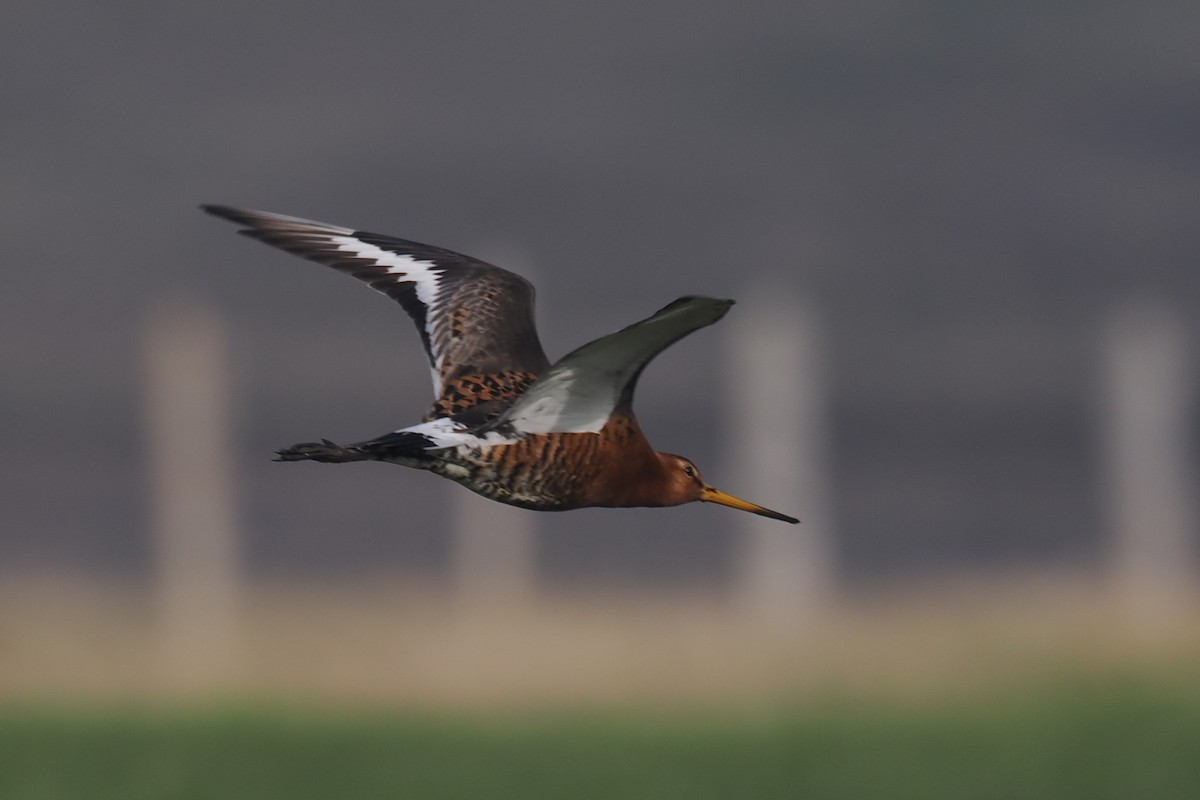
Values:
[(1121, 736), (393, 640), (1023, 687)]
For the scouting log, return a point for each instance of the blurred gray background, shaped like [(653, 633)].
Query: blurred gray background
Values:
[(965, 192)]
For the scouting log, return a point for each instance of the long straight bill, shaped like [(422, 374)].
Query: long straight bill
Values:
[(711, 495)]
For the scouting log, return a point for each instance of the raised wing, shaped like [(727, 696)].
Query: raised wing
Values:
[(583, 389), (475, 320)]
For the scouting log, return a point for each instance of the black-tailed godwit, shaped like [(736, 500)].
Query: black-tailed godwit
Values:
[(507, 423)]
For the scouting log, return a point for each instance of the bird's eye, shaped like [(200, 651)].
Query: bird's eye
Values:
[(690, 471)]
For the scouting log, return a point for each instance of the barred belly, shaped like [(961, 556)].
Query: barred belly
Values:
[(543, 473), (548, 472)]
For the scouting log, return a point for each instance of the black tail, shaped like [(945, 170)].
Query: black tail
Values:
[(399, 445), (404, 445), (324, 451)]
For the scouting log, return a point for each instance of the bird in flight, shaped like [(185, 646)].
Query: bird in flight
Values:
[(506, 423)]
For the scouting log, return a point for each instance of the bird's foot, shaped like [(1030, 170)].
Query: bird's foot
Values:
[(324, 451)]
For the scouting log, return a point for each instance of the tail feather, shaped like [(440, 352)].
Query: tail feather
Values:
[(398, 444), (390, 446), (417, 446), (324, 451)]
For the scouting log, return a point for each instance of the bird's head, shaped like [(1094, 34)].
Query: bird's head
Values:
[(685, 485)]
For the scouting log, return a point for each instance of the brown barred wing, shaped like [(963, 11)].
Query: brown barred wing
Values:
[(475, 319), (476, 399)]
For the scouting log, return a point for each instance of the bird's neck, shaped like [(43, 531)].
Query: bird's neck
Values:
[(638, 475), (652, 487)]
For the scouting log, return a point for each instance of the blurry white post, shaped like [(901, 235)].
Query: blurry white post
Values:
[(191, 467), (777, 384), (494, 549), (1151, 485), (494, 552)]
